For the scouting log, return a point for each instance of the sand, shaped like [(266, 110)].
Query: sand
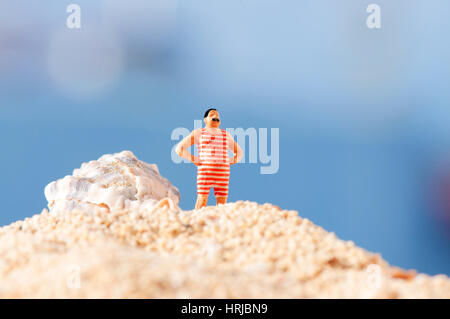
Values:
[(238, 250), (115, 230)]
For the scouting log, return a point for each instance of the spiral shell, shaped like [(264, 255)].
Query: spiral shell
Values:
[(114, 181)]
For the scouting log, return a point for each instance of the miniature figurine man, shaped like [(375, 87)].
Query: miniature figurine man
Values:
[(213, 162)]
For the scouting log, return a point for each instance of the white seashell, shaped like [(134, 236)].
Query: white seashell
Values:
[(114, 181)]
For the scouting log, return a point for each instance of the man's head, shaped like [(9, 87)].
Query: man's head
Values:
[(211, 118)]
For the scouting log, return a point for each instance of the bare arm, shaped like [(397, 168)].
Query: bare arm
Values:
[(235, 148), (185, 143)]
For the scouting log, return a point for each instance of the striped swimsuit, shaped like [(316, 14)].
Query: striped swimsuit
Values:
[(214, 167)]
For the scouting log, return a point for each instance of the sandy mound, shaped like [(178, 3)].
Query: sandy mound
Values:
[(238, 250)]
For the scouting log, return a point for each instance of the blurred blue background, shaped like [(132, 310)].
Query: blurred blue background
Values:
[(363, 114)]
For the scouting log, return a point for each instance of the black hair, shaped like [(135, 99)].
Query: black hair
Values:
[(207, 112)]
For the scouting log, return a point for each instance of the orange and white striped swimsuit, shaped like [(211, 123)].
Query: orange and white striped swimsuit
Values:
[(214, 167)]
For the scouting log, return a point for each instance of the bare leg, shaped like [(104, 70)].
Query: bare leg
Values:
[(221, 200), (202, 201)]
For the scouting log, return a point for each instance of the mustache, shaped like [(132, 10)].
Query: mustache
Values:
[(215, 120)]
